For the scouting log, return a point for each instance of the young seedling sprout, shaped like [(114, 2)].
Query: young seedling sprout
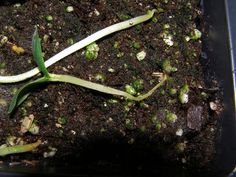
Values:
[(79, 45), (6, 150), (24, 91)]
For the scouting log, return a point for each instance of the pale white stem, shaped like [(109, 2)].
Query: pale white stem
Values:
[(79, 45)]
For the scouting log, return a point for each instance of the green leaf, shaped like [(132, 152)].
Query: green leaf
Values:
[(24, 92), (37, 53)]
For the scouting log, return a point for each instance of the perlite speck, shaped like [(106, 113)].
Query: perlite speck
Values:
[(70, 9), (141, 55)]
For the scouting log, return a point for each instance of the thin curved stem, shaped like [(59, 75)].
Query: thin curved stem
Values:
[(79, 45), (102, 88)]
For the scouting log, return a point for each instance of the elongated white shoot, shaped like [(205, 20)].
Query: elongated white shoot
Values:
[(79, 45)]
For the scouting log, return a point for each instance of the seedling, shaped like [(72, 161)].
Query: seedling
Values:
[(79, 45), (24, 91), (6, 150)]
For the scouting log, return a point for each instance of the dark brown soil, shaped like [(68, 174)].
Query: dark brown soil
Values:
[(106, 132)]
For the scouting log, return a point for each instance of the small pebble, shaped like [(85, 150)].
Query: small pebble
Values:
[(70, 9), (141, 55), (179, 132), (213, 106)]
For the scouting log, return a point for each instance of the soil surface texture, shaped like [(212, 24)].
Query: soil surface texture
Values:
[(176, 125)]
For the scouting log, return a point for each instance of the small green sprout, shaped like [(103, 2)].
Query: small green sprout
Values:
[(183, 94), (49, 18), (172, 91), (138, 84), (34, 129), (6, 150), (170, 116), (62, 120), (91, 52), (136, 45), (156, 122), (129, 89), (158, 125), (166, 66), (196, 34)]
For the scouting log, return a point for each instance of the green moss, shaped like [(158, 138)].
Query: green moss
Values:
[(163, 92), (34, 129), (195, 34), (170, 116), (166, 66), (157, 123), (158, 126), (172, 91), (138, 84), (131, 90), (136, 45), (91, 52), (183, 94), (49, 18), (62, 120)]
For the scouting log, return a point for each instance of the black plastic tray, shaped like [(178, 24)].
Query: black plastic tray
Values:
[(219, 49)]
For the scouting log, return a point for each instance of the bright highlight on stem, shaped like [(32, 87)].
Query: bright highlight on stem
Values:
[(79, 45)]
